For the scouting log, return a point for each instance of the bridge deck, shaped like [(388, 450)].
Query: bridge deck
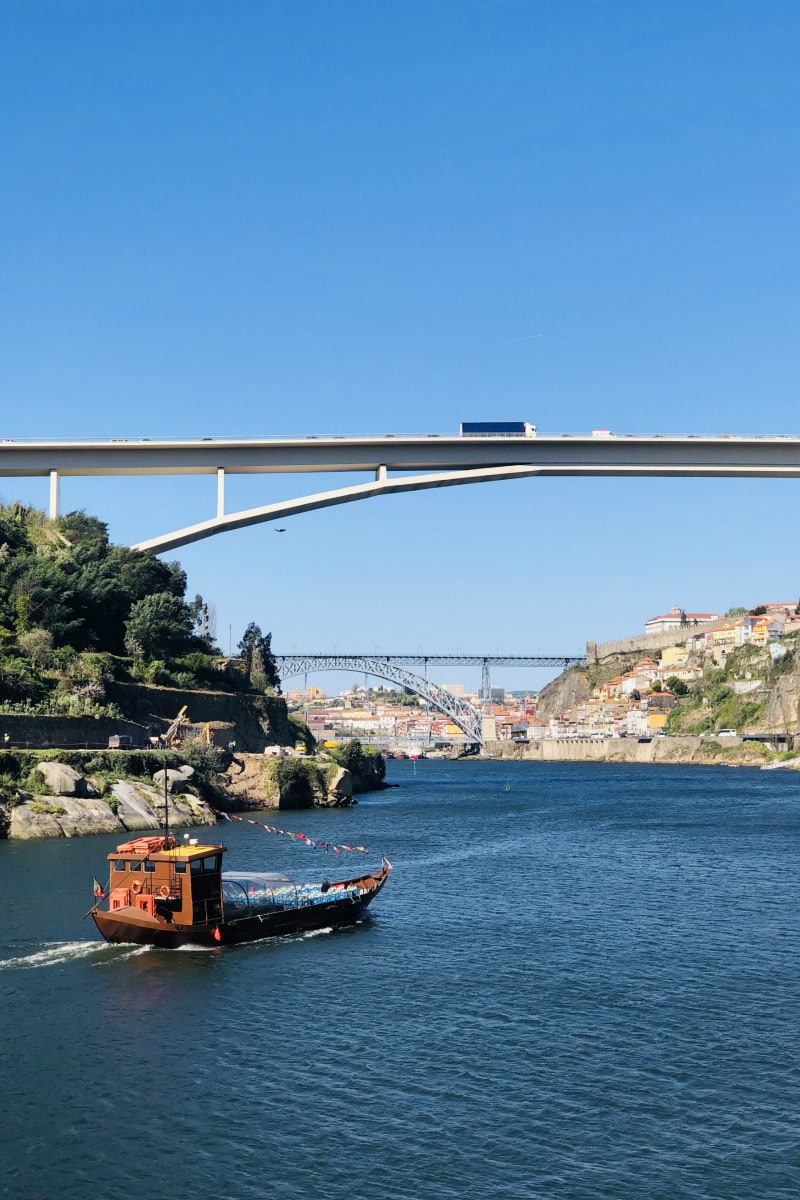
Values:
[(564, 454)]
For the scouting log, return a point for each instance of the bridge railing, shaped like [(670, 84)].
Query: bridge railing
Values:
[(255, 439)]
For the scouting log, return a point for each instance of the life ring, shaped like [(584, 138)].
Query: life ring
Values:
[(163, 891), (136, 886)]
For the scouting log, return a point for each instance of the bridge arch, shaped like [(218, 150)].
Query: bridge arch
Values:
[(381, 486), (455, 708)]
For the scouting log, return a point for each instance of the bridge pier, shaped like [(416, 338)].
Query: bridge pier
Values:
[(220, 492), (486, 683), (55, 495)]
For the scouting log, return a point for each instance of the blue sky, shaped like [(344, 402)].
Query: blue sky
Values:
[(355, 217)]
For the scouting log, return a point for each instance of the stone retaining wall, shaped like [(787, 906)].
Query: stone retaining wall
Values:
[(160, 705), (66, 733)]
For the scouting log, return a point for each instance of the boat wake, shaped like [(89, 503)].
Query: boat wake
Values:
[(189, 948), (56, 954)]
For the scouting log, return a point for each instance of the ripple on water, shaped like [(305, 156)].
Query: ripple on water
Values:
[(586, 987)]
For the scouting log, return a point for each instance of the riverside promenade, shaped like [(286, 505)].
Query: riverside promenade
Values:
[(705, 751)]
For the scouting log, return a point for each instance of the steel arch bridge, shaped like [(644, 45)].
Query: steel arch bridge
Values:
[(459, 711)]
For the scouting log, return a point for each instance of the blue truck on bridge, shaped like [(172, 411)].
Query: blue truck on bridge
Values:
[(497, 429)]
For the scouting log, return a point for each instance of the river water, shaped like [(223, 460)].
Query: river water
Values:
[(581, 981)]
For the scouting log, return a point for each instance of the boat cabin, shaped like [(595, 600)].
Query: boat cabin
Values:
[(180, 883)]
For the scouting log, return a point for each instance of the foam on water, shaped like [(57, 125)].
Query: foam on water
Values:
[(56, 954), (194, 948)]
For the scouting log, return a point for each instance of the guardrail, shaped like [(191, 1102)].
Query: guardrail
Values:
[(256, 439)]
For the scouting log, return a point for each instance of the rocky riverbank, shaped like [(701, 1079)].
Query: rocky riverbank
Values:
[(69, 804), (43, 797)]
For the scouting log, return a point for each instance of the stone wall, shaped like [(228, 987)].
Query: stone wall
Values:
[(67, 733), (158, 706), (649, 641), (233, 717)]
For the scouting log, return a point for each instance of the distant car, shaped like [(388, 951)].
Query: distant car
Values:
[(727, 733)]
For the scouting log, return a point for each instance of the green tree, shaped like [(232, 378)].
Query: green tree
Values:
[(259, 661), (159, 626), (37, 644), (298, 780), (63, 577), (677, 686), (205, 620), (363, 764), (87, 534), (42, 594)]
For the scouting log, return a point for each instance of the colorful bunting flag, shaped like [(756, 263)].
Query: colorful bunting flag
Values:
[(312, 843)]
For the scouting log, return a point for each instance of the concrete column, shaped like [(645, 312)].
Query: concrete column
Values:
[(380, 474), (55, 494), (220, 491)]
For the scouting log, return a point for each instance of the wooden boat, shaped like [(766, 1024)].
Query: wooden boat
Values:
[(161, 893)]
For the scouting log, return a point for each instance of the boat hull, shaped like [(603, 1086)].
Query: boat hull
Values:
[(131, 926)]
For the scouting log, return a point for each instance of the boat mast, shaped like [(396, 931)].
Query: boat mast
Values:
[(166, 804)]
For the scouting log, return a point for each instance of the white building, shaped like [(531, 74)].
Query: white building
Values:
[(676, 618)]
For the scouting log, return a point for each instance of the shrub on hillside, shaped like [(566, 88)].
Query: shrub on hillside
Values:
[(298, 780)]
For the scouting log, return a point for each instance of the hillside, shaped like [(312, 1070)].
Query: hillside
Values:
[(751, 689)]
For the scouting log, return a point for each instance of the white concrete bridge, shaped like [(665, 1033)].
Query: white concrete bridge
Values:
[(395, 463)]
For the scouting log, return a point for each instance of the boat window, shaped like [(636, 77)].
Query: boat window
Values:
[(234, 900), (135, 864), (179, 868), (149, 865), (202, 865), (119, 864)]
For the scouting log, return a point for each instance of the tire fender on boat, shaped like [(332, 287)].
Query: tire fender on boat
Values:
[(136, 886), (163, 891)]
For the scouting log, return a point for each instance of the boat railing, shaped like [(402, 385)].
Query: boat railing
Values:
[(173, 890)]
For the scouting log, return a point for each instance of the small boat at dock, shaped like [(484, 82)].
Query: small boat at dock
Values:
[(161, 893)]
